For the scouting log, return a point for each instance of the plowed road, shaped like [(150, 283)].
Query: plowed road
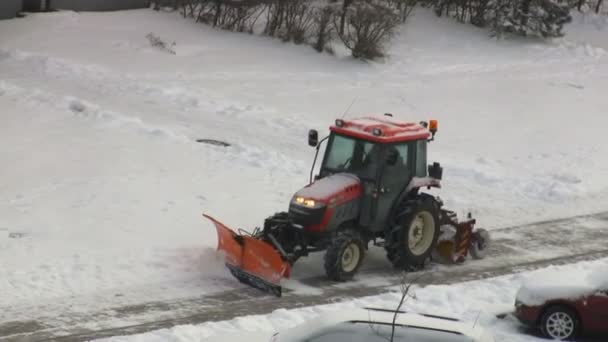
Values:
[(514, 249)]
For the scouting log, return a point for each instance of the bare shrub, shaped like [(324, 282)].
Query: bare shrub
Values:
[(275, 15), (232, 15), (403, 7), (345, 6), (322, 27), (188, 7), (369, 26), (362, 25), (298, 21), (240, 16)]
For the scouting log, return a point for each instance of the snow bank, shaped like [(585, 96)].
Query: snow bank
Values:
[(549, 285), (475, 302)]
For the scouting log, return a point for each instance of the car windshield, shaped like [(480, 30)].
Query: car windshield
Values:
[(373, 332), (346, 154)]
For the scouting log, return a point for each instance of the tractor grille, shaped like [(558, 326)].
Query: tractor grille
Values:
[(305, 216)]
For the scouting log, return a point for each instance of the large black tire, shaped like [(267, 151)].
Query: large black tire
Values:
[(404, 247), (559, 323), (344, 255)]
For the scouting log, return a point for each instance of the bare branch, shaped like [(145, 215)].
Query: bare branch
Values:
[(405, 290)]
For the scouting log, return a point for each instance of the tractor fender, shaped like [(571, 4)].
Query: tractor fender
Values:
[(420, 182)]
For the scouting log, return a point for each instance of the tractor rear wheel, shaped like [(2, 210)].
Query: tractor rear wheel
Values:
[(344, 255), (415, 234)]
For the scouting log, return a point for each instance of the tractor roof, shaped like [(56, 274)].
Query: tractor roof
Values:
[(382, 129)]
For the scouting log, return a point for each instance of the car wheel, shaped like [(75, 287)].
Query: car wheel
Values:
[(559, 323)]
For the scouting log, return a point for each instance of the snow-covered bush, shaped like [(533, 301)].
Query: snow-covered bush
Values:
[(544, 18)]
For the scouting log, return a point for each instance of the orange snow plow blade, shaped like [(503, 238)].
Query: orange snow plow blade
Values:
[(252, 261)]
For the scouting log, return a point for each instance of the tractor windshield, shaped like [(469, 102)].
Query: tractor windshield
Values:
[(346, 154)]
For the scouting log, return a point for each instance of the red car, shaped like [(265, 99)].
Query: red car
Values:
[(562, 313)]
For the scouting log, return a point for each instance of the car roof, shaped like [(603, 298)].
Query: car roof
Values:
[(374, 315)]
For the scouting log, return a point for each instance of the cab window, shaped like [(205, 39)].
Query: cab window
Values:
[(421, 168)]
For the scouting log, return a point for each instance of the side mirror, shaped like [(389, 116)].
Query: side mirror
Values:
[(391, 158), (435, 171), (313, 138)]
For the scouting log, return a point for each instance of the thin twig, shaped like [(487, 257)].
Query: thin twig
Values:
[(405, 289)]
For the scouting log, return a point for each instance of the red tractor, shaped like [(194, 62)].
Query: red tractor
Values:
[(367, 190)]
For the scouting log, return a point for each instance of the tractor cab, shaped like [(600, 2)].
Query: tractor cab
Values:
[(385, 155)]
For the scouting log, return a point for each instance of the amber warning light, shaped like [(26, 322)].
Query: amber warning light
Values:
[(433, 125)]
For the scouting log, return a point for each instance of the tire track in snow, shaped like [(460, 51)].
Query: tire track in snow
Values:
[(515, 249)]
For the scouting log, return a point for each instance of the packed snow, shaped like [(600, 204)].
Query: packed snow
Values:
[(475, 303), (546, 286), (103, 182)]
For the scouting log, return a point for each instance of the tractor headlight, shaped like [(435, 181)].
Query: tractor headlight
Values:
[(307, 202)]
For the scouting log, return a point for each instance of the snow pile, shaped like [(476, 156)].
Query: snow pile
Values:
[(548, 285)]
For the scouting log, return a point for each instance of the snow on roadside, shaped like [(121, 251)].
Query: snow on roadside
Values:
[(476, 302)]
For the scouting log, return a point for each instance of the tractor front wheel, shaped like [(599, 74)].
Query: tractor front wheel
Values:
[(415, 235), (344, 255)]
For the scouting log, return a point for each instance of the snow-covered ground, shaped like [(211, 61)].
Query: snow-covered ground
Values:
[(476, 302), (103, 184)]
